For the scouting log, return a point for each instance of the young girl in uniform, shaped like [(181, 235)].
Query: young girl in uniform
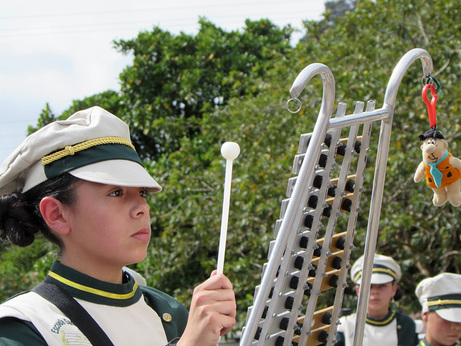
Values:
[(81, 183), (382, 326)]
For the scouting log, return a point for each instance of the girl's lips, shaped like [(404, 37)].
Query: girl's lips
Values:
[(142, 235), (454, 336)]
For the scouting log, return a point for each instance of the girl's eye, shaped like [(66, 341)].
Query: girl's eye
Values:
[(144, 193), (116, 193)]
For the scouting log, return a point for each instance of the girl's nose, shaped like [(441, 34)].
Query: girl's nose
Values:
[(140, 206)]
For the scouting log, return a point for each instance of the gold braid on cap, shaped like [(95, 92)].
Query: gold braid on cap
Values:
[(377, 270), (444, 302), (72, 149)]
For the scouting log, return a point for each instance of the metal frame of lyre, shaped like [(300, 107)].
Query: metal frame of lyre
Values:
[(302, 266)]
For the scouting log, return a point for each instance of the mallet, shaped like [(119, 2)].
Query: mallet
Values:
[(229, 151)]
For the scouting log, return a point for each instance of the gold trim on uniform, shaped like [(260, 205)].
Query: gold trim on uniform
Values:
[(381, 323), (72, 149), (93, 290)]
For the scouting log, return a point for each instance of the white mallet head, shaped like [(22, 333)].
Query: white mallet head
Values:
[(230, 150)]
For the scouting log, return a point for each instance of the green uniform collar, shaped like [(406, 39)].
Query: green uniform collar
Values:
[(383, 322), (85, 287)]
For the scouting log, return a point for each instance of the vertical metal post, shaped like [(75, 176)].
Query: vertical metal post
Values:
[(379, 180)]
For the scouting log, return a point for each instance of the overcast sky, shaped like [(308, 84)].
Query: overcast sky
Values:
[(57, 51)]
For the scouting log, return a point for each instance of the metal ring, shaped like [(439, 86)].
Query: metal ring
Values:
[(296, 100), (426, 80)]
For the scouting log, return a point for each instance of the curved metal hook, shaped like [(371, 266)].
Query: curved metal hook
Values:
[(400, 70), (328, 80)]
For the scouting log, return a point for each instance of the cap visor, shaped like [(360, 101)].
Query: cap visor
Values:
[(117, 172), (450, 314), (377, 279)]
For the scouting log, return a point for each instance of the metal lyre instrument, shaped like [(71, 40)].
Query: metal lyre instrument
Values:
[(309, 255)]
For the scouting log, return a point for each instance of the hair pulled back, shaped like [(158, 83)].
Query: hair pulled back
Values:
[(20, 217)]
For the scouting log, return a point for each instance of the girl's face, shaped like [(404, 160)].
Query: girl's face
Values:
[(380, 298), (439, 331), (109, 227)]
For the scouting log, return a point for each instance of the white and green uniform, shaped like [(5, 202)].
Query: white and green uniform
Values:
[(394, 329), (129, 314)]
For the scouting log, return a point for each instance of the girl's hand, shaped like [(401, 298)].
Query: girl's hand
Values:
[(212, 312)]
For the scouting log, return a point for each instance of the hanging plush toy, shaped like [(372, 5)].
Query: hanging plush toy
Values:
[(441, 169)]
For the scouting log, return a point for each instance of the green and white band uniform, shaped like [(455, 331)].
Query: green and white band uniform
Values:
[(394, 329), (155, 316)]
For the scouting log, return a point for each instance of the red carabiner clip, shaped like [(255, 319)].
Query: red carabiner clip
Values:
[(431, 104)]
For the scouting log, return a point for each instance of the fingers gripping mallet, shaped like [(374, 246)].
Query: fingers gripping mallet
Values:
[(230, 151)]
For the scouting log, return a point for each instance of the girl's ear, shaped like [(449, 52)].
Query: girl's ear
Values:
[(424, 317), (394, 289), (53, 212)]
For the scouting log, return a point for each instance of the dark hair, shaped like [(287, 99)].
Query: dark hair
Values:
[(398, 294), (20, 217)]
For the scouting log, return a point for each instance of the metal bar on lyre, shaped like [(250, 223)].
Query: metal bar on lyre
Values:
[(298, 199), (379, 179)]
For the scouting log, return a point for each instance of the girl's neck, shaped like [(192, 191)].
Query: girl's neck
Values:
[(104, 273), (378, 315)]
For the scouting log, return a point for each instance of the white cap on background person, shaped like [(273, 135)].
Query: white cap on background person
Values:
[(442, 294), (385, 270)]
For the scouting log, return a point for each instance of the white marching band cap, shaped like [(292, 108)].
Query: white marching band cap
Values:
[(92, 145), (442, 294), (385, 269)]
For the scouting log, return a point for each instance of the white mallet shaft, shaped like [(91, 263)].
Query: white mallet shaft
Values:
[(229, 151)]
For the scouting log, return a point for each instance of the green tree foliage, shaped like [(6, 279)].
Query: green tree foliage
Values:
[(46, 116), (337, 8), (23, 268), (174, 79), (186, 95), (109, 100)]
